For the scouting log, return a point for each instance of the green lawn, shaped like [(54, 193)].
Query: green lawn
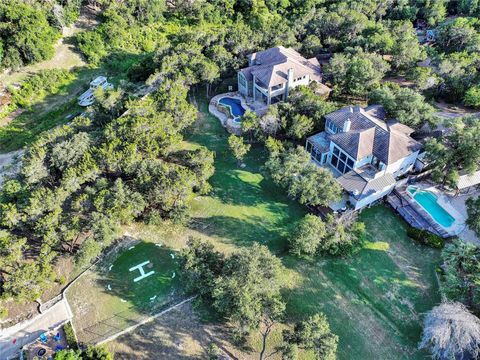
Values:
[(244, 205), (374, 300)]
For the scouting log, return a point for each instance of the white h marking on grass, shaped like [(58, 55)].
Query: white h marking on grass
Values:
[(139, 267)]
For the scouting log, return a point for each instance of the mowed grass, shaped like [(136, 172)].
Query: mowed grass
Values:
[(244, 205), (142, 293), (374, 299), (106, 299)]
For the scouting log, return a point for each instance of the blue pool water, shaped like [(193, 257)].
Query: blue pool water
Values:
[(428, 201), (235, 105)]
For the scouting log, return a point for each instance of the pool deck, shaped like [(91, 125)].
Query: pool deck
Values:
[(227, 122), (419, 218)]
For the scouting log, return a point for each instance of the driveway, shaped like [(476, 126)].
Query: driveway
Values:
[(14, 338)]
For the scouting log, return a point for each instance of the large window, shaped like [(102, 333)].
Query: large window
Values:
[(341, 161), (316, 154)]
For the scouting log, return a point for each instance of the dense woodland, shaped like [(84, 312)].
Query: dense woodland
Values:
[(123, 160)]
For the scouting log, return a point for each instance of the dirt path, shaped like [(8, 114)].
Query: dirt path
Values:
[(7, 163), (449, 111), (66, 56)]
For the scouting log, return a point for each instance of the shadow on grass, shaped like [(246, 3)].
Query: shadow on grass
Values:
[(243, 232)]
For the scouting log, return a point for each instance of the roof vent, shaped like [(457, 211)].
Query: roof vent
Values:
[(351, 109), (346, 125)]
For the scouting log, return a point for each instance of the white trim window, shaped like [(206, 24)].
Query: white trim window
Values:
[(332, 127)]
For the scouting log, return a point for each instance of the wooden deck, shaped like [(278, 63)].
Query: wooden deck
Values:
[(414, 214)]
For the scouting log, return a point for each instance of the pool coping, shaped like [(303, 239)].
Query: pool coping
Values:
[(459, 220), (227, 122)]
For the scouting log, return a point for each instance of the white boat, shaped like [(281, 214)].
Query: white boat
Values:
[(88, 97)]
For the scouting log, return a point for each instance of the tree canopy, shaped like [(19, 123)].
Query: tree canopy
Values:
[(455, 152)]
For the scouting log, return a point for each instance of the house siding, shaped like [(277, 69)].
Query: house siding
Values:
[(358, 204), (402, 166)]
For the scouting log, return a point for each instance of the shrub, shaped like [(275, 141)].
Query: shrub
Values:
[(70, 336), (308, 235), (426, 238), (472, 97), (40, 85)]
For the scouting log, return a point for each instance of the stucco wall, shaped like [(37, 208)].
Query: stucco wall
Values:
[(402, 166)]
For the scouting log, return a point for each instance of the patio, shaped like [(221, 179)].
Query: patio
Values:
[(459, 203)]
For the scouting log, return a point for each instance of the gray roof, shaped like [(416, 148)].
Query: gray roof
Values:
[(321, 141), (369, 133), (271, 66), (362, 181), (466, 180), (357, 143)]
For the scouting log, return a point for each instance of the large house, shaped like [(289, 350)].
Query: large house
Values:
[(365, 152), (272, 73)]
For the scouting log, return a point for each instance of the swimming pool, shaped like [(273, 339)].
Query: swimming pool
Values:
[(429, 201), (235, 105)]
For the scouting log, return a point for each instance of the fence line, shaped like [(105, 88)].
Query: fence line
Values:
[(144, 321)]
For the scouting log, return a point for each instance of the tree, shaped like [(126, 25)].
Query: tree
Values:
[(406, 50), (68, 355), (292, 169), (458, 35), (307, 235), (248, 292), (403, 104), (473, 211), (97, 353), (312, 45), (250, 124), (433, 11), (424, 78), (472, 97), (201, 265), (311, 334), (455, 152), (459, 72), (462, 274), (210, 72), (26, 34), (450, 331), (238, 147), (299, 126), (356, 74), (270, 123), (305, 101)]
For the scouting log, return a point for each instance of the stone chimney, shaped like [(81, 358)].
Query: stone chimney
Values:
[(346, 125)]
